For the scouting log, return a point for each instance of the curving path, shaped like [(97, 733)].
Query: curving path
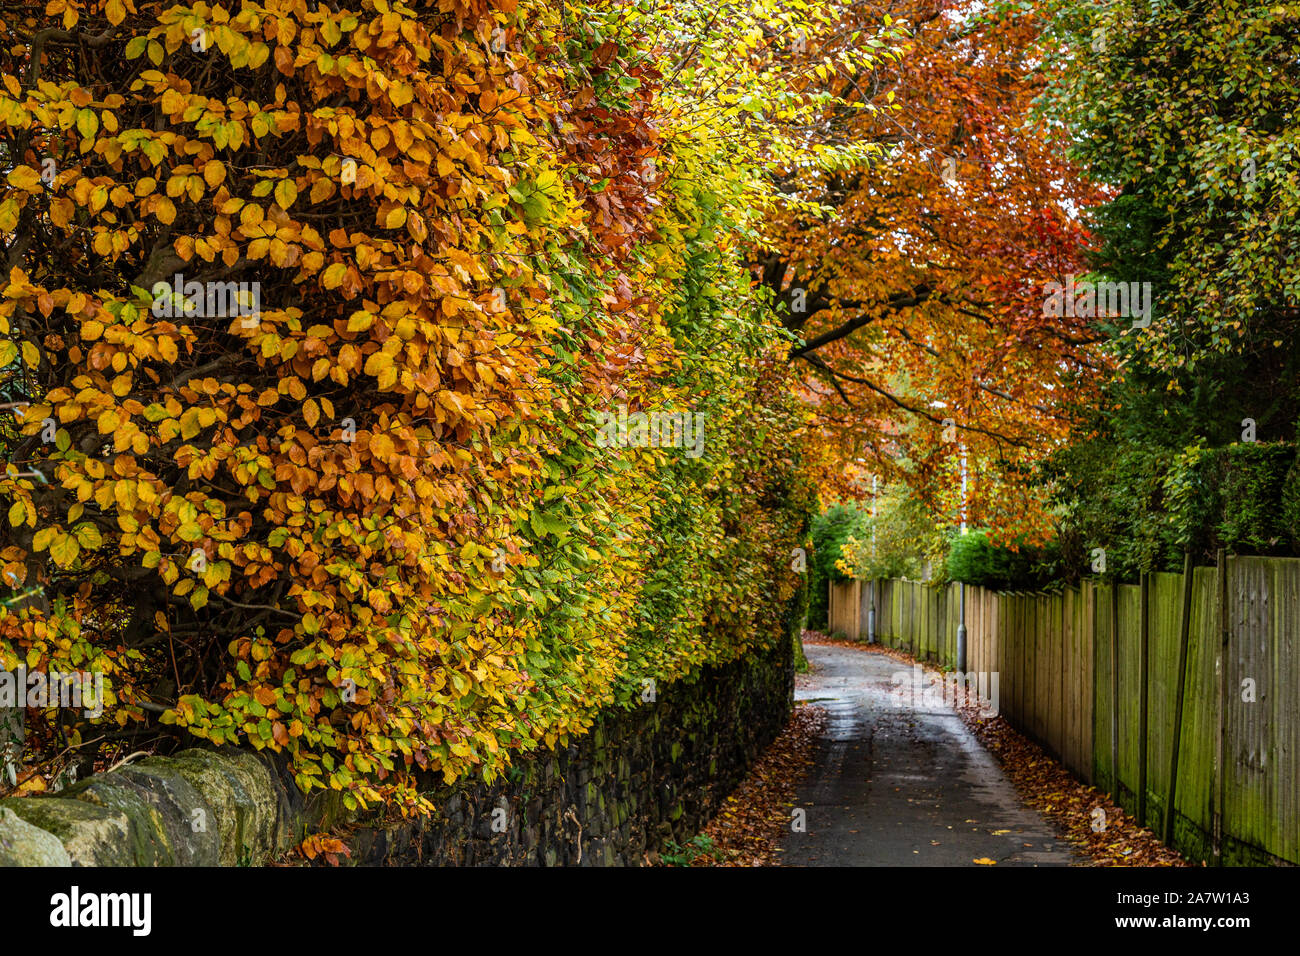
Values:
[(896, 786)]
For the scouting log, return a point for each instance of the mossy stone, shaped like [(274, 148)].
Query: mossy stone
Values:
[(92, 835), (22, 844)]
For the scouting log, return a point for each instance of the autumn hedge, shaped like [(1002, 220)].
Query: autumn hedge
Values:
[(360, 514)]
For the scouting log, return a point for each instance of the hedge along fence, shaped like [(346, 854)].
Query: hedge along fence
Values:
[(1192, 678)]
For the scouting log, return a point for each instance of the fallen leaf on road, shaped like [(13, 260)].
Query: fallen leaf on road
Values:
[(1048, 787), (984, 861)]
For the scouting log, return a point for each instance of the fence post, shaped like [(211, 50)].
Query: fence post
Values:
[(1184, 632), (1143, 696), (857, 610), (914, 604)]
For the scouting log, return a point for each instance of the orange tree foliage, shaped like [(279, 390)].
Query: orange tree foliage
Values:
[(368, 523), (922, 286)]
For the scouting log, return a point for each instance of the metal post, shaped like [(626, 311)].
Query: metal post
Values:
[(871, 613), (871, 610), (961, 631), (961, 620), (873, 516)]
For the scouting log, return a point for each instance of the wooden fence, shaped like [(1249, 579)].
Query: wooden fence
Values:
[(1183, 689)]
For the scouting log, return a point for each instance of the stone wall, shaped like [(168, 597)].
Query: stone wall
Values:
[(638, 779)]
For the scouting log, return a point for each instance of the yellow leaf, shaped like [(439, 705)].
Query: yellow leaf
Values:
[(189, 424), (25, 178), (333, 276), (9, 215), (214, 172), (65, 550), (87, 123), (285, 193), (88, 535), (33, 784), (61, 211)]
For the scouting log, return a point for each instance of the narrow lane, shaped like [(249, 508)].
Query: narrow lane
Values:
[(904, 785)]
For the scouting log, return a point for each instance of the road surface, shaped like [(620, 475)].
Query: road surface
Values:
[(904, 784)]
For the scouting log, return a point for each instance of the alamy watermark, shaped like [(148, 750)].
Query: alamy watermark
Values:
[(622, 429), (1090, 300), (916, 689), (77, 690), (75, 908), (205, 300)]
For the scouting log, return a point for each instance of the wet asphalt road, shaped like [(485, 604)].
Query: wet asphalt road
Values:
[(904, 786)]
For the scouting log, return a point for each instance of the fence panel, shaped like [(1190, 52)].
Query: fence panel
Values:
[(1165, 628), (1194, 821), (1054, 636), (1102, 701), (1072, 673), (1246, 745), (1128, 650), (1037, 643), (1260, 782), (1286, 713), (1020, 658), (1087, 631)]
